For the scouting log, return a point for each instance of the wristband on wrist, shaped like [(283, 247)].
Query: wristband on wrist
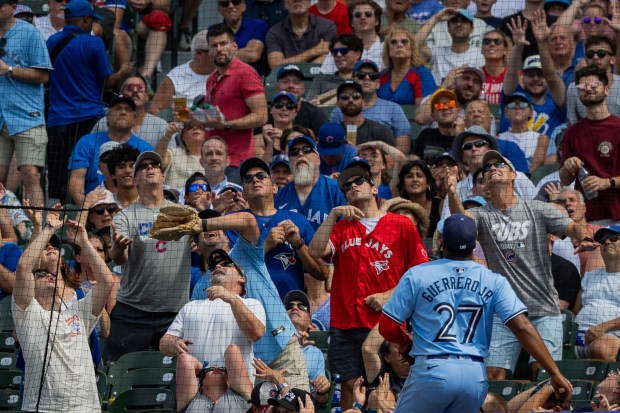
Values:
[(282, 387), (298, 246), (612, 183), (204, 225), (358, 406)]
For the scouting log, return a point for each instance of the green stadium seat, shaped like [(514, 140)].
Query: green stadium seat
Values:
[(569, 328), (583, 389), (543, 171), (505, 388), (102, 385), (495, 111), (6, 315), (140, 360), (415, 130), (142, 399), (613, 367), (409, 111), (321, 339), (10, 379), (10, 400), (162, 378), (584, 369), (7, 342), (7, 361)]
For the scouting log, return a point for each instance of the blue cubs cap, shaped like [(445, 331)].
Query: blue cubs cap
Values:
[(548, 3), (365, 62), (289, 95), (459, 233), (80, 8), (467, 14), (615, 229), (279, 159), (303, 138), (331, 139), (518, 96), (474, 201)]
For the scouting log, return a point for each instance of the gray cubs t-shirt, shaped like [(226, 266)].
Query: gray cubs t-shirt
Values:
[(515, 245), (156, 276)]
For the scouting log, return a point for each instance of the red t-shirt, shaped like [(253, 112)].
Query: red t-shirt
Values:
[(366, 264), (229, 92), (339, 15), (492, 86), (596, 144)]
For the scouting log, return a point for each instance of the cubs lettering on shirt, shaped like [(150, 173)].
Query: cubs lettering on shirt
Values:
[(324, 197), (369, 263)]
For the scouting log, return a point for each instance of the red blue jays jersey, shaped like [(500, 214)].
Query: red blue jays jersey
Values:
[(367, 263)]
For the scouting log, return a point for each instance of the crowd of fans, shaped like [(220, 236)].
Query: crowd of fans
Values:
[(331, 186)]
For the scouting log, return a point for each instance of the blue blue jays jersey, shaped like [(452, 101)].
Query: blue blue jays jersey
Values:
[(285, 268), (450, 305), (325, 195)]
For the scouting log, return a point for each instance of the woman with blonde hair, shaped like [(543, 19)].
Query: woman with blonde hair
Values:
[(406, 79)]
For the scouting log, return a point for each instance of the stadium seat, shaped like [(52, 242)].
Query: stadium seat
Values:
[(102, 385), (505, 388), (543, 171), (613, 367), (409, 111), (320, 338), (162, 378), (142, 399), (7, 342), (578, 370), (6, 315), (10, 379), (10, 400), (139, 360), (569, 328), (7, 361), (583, 389)]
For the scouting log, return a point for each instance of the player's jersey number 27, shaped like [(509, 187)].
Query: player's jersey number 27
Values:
[(449, 332)]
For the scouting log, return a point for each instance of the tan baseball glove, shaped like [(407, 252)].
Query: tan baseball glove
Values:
[(173, 222)]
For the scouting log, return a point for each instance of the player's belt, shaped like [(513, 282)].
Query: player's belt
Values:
[(477, 359)]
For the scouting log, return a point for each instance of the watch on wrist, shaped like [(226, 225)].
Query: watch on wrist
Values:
[(9, 71), (612, 183), (298, 246), (227, 125)]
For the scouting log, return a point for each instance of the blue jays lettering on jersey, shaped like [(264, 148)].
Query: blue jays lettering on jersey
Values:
[(285, 268), (325, 196), (450, 305)]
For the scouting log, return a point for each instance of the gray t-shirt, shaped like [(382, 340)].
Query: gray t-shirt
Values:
[(229, 402), (156, 276), (151, 130), (324, 83), (515, 245), (374, 131)]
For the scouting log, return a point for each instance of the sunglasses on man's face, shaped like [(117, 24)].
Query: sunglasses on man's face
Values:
[(42, 274), (259, 175), (369, 75), (451, 104), (134, 88), (100, 210), (302, 307), (226, 3), (357, 181), (359, 14), (340, 51), (497, 165), (470, 145), (195, 187), (347, 96), (598, 53), (216, 368), (611, 237), (145, 165), (304, 149), (520, 105)]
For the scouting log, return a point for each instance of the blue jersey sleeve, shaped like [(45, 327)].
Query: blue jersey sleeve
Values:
[(402, 304), (506, 303)]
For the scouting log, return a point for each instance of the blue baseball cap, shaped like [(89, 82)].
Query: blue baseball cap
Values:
[(289, 95), (518, 95), (548, 3), (303, 138), (80, 8), (279, 159), (331, 139), (365, 62), (290, 69), (467, 14), (475, 201), (458, 233), (598, 235), (357, 167)]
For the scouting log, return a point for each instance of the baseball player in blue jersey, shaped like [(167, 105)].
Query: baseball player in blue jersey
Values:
[(450, 304)]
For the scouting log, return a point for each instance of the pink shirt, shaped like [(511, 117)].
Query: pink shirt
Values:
[(229, 92)]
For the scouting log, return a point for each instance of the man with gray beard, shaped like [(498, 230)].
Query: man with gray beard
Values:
[(311, 194)]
